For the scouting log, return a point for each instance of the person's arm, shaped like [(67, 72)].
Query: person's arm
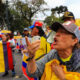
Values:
[(76, 65), (39, 65), (77, 68), (32, 66), (31, 49), (35, 69)]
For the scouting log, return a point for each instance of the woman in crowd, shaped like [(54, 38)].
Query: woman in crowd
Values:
[(8, 58), (12, 45)]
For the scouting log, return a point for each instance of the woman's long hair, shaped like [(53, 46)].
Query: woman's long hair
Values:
[(41, 32)]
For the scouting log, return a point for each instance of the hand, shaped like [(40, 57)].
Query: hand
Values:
[(24, 51), (11, 44), (32, 47), (57, 69)]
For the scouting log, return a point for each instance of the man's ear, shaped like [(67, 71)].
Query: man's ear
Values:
[(75, 41)]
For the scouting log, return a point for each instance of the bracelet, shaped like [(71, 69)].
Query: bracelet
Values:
[(30, 58)]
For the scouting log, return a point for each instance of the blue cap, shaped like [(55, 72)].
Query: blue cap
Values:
[(31, 26), (37, 23)]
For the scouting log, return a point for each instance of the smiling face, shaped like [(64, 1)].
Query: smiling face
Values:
[(64, 40)]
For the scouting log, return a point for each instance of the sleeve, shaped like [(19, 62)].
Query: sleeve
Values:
[(77, 61), (78, 68), (41, 64)]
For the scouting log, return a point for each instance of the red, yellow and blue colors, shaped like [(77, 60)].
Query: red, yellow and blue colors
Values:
[(6, 59), (24, 66)]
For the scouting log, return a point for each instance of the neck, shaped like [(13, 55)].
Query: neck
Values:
[(65, 53)]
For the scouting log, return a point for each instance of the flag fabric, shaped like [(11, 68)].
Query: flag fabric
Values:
[(48, 74), (6, 59), (24, 66)]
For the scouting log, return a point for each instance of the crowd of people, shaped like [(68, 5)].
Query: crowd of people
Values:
[(45, 61)]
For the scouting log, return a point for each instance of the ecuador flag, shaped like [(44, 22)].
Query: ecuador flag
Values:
[(6, 59)]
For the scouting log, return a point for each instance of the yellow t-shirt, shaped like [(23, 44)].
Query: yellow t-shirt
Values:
[(44, 48), (66, 59)]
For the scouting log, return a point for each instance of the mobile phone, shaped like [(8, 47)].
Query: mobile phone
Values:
[(35, 38)]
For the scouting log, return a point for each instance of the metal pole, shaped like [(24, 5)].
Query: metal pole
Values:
[(7, 20)]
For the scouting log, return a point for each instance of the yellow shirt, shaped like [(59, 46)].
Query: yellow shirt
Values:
[(44, 48), (66, 59)]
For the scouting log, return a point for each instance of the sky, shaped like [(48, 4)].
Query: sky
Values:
[(73, 6)]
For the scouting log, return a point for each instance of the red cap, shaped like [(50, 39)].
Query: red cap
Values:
[(37, 23)]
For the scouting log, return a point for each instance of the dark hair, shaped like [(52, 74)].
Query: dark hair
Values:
[(41, 32), (10, 35)]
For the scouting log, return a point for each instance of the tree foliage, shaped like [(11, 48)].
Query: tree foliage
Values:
[(20, 13), (23, 12), (59, 10), (2, 12)]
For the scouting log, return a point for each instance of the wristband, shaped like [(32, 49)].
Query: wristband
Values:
[(30, 58)]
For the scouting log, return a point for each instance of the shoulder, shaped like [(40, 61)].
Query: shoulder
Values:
[(52, 54), (76, 59), (76, 55), (43, 38), (77, 52)]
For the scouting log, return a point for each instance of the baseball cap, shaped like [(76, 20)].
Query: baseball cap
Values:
[(68, 14), (25, 29), (37, 23), (69, 26)]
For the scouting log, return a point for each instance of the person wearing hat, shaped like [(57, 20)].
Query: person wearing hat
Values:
[(65, 51), (26, 32), (37, 29), (37, 33), (68, 16)]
